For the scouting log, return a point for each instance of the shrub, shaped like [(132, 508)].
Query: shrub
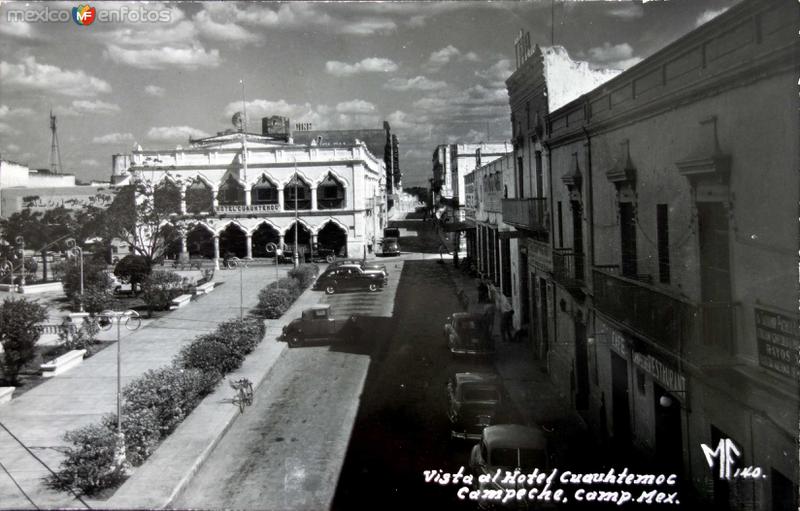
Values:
[(289, 284), (304, 274), (169, 392), (273, 302), (133, 269), (241, 336), (19, 334), (79, 337), (160, 287), (140, 427), (87, 467), (97, 292), (206, 353)]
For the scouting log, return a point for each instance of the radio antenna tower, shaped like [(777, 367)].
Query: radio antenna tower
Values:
[(55, 152)]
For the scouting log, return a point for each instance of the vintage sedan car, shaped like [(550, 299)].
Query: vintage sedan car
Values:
[(350, 277), (319, 325), (475, 400), (363, 263), (507, 447), (390, 247), (466, 334)]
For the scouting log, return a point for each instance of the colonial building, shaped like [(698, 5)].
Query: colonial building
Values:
[(451, 162), (667, 305), (242, 192)]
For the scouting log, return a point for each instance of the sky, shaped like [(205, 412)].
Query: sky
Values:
[(435, 71)]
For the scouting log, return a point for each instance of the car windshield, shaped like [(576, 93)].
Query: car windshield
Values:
[(518, 458), (467, 325), (480, 394)]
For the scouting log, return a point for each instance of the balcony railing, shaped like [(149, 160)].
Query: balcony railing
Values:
[(330, 203), (666, 320), (568, 268), (530, 214), (254, 208)]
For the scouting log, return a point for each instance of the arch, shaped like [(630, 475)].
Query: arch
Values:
[(304, 233), (167, 196), (171, 236), (265, 222), (333, 220), (301, 222), (259, 177), (331, 192), (199, 196), (332, 235), (297, 172), (265, 232), (231, 191), (233, 240), (264, 190), (200, 240), (331, 172), (303, 190)]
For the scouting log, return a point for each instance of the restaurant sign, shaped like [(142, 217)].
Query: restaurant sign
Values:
[(670, 379), (778, 342)]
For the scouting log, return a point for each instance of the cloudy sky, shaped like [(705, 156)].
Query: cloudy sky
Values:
[(434, 70)]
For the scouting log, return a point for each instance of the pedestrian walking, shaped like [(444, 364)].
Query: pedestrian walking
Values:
[(507, 325)]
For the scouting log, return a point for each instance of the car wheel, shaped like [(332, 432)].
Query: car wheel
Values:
[(329, 290), (373, 287), (330, 259), (294, 341)]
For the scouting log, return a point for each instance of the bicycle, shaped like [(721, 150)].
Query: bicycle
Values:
[(244, 393), (234, 262)]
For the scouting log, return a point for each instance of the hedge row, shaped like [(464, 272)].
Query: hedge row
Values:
[(156, 402), (275, 299)]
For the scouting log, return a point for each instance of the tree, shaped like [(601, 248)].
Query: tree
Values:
[(19, 334), (159, 288), (133, 269), (42, 232), (97, 292), (136, 217)]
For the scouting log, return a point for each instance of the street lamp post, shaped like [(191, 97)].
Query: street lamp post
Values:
[(296, 256), (76, 250), (120, 316)]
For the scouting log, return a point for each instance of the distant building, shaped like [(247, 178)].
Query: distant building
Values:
[(241, 192), (39, 190)]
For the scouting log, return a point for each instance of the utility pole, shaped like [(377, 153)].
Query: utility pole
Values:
[(244, 134), (296, 256)]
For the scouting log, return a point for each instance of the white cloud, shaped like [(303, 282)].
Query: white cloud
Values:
[(6, 129), (34, 76), (708, 15), (80, 106), (12, 148), (6, 112), (166, 57), (627, 11), (356, 106), (618, 56), (89, 162), (17, 29), (369, 65), (416, 83), (449, 54), (497, 73), (172, 133), (369, 27), (114, 138), (223, 31), (154, 90), (148, 35)]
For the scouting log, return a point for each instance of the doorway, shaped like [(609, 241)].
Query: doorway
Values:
[(669, 430), (621, 414), (581, 368)]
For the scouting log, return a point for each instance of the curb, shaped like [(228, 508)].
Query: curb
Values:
[(164, 476)]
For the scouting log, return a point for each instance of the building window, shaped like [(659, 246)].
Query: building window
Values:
[(505, 251), (560, 226), (627, 223), (539, 176), (662, 227), (640, 382), (520, 178)]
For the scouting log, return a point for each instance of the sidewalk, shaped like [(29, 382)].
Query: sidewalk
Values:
[(526, 380), (40, 417)]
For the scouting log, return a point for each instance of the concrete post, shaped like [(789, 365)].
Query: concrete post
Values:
[(249, 245), (314, 198), (280, 201), (183, 200), (216, 251), (248, 197)]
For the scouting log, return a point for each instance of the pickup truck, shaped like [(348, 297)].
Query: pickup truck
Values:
[(318, 324)]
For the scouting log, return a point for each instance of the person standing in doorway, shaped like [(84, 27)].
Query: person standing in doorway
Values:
[(507, 325)]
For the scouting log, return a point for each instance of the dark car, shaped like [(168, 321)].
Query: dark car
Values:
[(318, 324), (466, 334), (363, 263), (390, 246), (350, 277), (475, 401), (508, 447)]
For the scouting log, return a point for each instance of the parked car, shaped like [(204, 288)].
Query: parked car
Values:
[(350, 276), (318, 324), (508, 447), (363, 263), (390, 247), (466, 334), (475, 401), (117, 285)]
